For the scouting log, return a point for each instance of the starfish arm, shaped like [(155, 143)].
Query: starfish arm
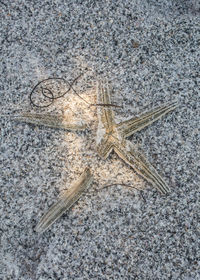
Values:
[(129, 127), (106, 115), (49, 120), (65, 201), (104, 148), (141, 166)]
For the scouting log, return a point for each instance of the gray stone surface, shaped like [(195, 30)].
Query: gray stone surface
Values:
[(149, 50)]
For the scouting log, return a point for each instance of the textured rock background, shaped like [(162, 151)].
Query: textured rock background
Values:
[(149, 50)]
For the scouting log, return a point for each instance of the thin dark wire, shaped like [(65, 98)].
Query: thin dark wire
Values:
[(79, 96), (106, 105), (52, 98), (95, 104)]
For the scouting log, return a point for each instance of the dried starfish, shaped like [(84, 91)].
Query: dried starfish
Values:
[(50, 120), (112, 136), (65, 201)]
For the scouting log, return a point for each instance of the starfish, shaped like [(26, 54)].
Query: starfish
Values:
[(110, 137), (113, 136), (49, 120), (65, 201)]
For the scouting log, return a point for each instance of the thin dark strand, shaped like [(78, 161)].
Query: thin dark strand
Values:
[(79, 96), (56, 96), (50, 96), (79, 76), (95, 104), (43, 90), (31, 100), (106, 105)]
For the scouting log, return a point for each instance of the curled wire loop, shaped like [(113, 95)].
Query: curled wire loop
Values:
[(50, 88)]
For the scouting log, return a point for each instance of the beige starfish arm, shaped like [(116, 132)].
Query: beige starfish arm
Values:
[(104, 148), (129, 127), (141, 166), (65, 201), (49, 120), (106, 115)]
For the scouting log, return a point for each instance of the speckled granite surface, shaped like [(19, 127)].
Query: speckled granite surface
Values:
[(149, 50)]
